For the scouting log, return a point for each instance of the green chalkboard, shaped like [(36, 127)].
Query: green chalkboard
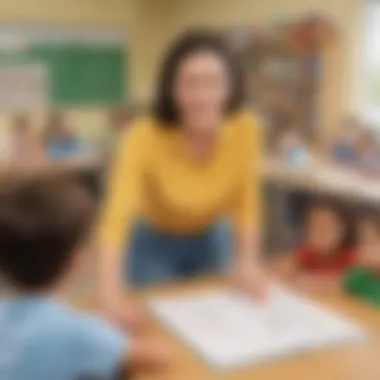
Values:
[(78, 73)]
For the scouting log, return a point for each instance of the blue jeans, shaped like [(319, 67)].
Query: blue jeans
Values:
[(155, 256)]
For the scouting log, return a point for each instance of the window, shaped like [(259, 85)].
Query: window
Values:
[(370, 94)]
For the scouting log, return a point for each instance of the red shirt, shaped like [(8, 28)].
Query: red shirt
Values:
[(309, 261)]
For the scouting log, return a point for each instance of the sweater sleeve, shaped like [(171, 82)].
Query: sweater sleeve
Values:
[(354, 279), (246, 211), (123, 188)]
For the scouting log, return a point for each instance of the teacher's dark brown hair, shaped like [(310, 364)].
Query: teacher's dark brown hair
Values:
[(165, 108)]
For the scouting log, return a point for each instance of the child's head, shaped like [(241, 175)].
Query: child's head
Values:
[(288, 137), (21, 125), (118, 118), (369, 238), (350, 127), (366, 142), (56, 127), (45, 219), (328, 227)]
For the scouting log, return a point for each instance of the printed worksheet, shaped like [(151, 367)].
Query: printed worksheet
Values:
[(229, 330)]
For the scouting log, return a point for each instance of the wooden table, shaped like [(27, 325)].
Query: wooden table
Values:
[(358, 361)]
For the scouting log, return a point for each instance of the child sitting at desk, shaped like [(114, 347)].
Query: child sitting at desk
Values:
[(26, 148), (344, 149), (326, 252), (44, 223), (369, 155), (363, 280), (290, 146), (60, 142)]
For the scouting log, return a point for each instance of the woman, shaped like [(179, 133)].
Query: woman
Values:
[(179, 172)]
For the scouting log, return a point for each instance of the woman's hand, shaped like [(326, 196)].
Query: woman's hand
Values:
[(148, 355), (126, 313), (117, 306), (250, 277)]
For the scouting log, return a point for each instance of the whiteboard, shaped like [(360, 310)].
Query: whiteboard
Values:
[(228, 330)]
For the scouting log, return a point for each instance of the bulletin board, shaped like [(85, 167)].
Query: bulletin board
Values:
[(75, 67)]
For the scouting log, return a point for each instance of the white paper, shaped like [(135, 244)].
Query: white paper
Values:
[(23, 87), (228, 330)]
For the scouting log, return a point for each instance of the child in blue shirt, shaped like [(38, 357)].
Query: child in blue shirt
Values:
[(60, 142), (291, 147), (44, 224), (369, 156)]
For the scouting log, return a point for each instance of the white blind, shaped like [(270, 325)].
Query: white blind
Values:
[(371, 62)]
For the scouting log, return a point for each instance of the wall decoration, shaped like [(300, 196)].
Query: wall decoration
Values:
[(284, 63), (81, 66)]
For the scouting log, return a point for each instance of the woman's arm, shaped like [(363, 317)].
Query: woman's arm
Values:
[(247, 210), (120, 204), (146, 355), (143, 357)]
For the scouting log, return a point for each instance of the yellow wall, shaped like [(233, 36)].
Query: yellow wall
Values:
[(76, 12), (152, 29)]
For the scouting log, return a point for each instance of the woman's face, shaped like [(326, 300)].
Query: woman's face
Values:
[(202, 88), (324, 231)]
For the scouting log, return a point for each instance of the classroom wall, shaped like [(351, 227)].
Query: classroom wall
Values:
[(219, 13), (150, 25), (146, 24), (154, 27), (77, 13), (90, 12)]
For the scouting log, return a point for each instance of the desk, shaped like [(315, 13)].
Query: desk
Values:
[(359, 361), (317, 179), (323, 178)]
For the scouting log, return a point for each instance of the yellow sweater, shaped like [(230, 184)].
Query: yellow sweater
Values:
[(154, 178)]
